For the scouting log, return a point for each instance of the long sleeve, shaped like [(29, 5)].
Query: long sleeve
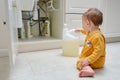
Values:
[(98, 45), (83, 32)]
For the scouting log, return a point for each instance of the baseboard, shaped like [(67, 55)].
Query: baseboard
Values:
[(112, 39)]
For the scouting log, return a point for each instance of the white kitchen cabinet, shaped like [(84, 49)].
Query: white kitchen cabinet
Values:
[(8, 39), (112, 12), (70, 12), (108, 7), (80, 6)]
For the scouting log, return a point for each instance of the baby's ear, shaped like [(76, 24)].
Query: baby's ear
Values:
[(88, 22)]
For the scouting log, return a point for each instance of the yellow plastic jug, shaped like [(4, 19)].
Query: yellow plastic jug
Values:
[(70, 43)]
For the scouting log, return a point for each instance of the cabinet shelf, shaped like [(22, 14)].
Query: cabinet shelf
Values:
[(38, 43), (37, 39)]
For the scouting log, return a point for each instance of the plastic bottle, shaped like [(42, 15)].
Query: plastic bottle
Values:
[(70, 43), (22, 33), (47, 28), (29, 30)]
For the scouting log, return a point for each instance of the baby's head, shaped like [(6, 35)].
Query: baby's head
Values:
[(92, 16)]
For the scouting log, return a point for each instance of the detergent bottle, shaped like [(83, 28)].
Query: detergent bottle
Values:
[(70, 42)]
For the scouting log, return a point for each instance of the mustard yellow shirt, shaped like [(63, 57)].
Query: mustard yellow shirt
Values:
[(94, 49)]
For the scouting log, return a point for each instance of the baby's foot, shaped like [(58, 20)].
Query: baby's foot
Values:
[(86, 73)]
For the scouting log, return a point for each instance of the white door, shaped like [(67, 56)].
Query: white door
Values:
[(8, 40), (80, 6)]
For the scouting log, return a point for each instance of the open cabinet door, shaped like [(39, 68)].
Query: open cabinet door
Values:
[(8, 35), (12, 32)]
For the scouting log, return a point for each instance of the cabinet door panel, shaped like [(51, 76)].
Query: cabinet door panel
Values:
[(74, 21), (112, 17), (80, 6)]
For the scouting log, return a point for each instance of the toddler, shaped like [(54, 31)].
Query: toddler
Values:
[(94, 50)]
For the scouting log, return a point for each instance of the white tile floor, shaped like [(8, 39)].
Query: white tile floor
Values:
[(51, 65)]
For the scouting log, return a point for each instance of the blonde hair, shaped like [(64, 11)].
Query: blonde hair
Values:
[(94, 15)]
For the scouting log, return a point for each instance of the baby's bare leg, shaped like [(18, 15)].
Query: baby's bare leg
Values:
[(86, 71)]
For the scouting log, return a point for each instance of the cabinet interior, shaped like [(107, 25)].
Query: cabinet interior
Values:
[(34, 30)]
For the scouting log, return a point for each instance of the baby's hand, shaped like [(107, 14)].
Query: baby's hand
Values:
[(78, 30), (84, 62)]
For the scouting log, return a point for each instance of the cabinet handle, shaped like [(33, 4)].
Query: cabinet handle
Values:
[(4, 22)]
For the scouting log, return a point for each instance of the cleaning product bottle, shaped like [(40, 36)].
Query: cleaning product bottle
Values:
[(47, 28), (22, 33), (70, 43), (31, 28)]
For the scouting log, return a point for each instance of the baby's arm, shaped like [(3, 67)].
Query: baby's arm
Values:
[(98, 45), (80, 30)]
